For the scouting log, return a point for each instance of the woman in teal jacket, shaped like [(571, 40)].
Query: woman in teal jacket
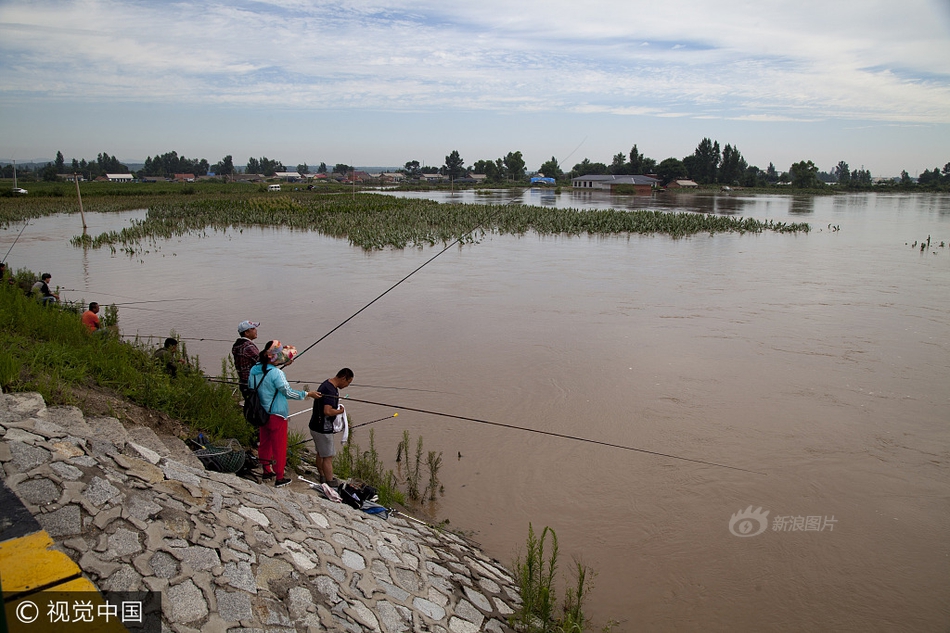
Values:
[(274, 390)]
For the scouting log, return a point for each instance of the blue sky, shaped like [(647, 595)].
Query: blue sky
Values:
[(370, 83)]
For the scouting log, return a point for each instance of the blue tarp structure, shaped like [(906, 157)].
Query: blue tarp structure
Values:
[(537, 180)]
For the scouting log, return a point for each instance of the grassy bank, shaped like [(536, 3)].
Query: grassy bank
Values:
[(49, 351)]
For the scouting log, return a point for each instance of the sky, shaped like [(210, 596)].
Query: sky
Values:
[(374, 83)]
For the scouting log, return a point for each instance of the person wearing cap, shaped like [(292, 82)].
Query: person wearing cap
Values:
[(271, 384), (245, 352)]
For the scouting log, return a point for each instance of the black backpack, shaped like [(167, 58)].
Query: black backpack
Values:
[(254, 411), (355, 492)]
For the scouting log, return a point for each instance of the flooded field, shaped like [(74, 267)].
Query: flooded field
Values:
[(820, 361)]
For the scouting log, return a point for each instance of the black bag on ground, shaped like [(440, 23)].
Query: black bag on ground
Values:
[(349, 496), (354, 493), (254, 411)]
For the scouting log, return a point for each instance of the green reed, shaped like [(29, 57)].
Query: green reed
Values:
[(536, 573), (376, 221)]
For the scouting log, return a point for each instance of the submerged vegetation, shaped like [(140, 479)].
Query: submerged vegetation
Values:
[(376, 221)]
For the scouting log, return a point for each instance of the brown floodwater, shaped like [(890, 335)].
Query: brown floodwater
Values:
[(821, 361)]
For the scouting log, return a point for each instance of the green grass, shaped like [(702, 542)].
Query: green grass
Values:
[(48, 350)]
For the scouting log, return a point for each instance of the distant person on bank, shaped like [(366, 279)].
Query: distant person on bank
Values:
[(47, 296), (90, 318), (321, 422), (270, 382), (167, 356)]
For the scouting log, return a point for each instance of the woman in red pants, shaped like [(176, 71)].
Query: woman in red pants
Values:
[(274, 390)]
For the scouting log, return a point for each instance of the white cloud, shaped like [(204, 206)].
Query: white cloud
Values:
[(743, 62)]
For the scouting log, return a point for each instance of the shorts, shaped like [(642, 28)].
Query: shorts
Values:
[(326, 447)]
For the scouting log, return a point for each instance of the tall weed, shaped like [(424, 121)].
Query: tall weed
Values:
[(535, 574)]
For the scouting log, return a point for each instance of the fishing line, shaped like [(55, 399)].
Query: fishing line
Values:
[(17, 238), (307, 382), (155, 301), (98, 293), (560, 435), (454, 242), (181, 338)]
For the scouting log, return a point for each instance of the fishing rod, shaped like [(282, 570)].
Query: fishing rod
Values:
[(554, 434), (107, 294), (17, 239), (305, 382), (183, 338), (423, 265), (310, 439), (128, 303), (392, 511)]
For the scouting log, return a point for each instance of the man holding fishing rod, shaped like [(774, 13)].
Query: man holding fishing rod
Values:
[(325, 409)]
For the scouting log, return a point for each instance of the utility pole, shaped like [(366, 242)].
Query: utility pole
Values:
[(79, 195)]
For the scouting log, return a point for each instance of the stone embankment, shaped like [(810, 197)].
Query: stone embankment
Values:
[(138, 512)]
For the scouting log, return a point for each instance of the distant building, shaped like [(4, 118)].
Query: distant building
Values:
[(247, 177), (184, 177), (289, 176), (643, 185), (120, 177), (392, 176), (684, 184)]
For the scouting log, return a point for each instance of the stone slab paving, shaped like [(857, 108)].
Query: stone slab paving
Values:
[(136, 513)]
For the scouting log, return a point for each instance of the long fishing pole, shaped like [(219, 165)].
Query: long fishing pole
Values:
[(17, 239), (310, 439), (554, 434), (351, 317), (184, 338)]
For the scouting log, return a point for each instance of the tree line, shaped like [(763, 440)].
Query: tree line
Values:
[(709, 164)]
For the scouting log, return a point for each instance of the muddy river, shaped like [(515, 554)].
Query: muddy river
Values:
[(820, 362)]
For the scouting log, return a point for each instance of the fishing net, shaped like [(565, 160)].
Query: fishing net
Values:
[(225, 457)]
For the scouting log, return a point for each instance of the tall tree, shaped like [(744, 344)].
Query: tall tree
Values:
[(842, 173), (618, 164), (670, 169), (322, 169), (303, 169), (640, 164), (60, 163), (454, 165), (551, 169), (413, 170), (703, 165), (587, 168), (733, 166), (515, 168), (225, 166), (804, 175)]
